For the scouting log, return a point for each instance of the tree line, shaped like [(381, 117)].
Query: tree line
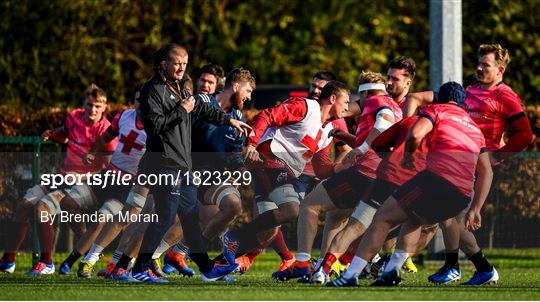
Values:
[(51, 50)]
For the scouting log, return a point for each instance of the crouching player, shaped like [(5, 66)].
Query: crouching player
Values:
[(345, 189)]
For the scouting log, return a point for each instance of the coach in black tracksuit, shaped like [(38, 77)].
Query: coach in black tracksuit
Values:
[(167, 111)]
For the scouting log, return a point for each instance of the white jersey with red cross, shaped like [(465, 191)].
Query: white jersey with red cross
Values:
[(131, 141), (296, 143)]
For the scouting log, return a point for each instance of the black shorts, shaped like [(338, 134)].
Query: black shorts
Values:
[(429, 198), (347, 188), (381, 190)]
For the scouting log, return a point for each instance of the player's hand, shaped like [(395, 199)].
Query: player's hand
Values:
[(89, 159), (47, 134), (188, 104), (340, 134), (252, 155), (494, 160), (242, 127), (350, 158), (408, 161), (473, 220)]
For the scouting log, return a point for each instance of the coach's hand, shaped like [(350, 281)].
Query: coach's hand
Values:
[(473, 220), (252, 155), (242, 127), (188, 104)]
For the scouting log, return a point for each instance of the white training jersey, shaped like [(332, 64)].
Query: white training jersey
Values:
[(131, 141), (296, 143)]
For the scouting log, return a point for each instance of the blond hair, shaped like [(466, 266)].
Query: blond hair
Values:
[(501, 54), (239, 75), (95, 92)]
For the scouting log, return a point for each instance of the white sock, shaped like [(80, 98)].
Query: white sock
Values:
[(93, 254), (116, 256), (356, 267), (301, 257), (180, 248), (319, 262), (396, 260), (162, 247)]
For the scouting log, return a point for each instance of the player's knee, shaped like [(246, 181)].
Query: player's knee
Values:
[(317, 195), (79, 196), (136, 200), (448, 223), (364, 214), (289, 211), (41, 206), (111, 207), (51, 202), (33, 195), (69, 204), (231, 205), (382, 217), (354, 227)]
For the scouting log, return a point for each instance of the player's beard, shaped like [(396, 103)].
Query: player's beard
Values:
[(313, 96), (237, 101), (395, 91)]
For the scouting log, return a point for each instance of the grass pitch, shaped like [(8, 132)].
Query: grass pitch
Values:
[(519, 271)]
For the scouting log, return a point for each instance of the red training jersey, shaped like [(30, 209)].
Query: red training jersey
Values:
[(492, 110), (453, 145), (81, 137), (368, 163)]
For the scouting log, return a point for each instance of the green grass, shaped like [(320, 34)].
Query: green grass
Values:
[(519, 271)]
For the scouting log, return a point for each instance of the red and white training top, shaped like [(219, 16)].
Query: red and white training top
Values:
[(368, 163), (81, 138), (337, 124), (131, 142), (492, 110), (292, 132), (454, 145)]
